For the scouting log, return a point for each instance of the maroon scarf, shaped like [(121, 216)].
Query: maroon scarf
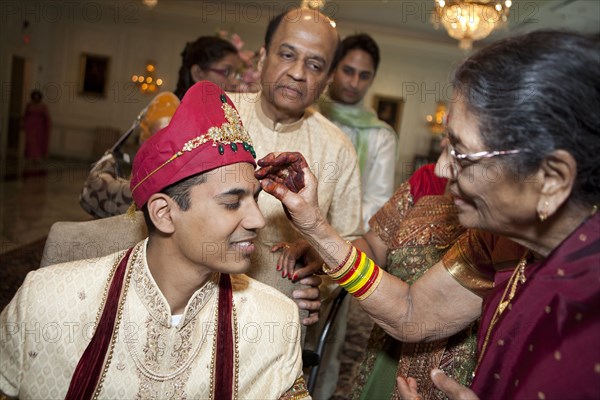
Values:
[(88, 370), (224, 357)]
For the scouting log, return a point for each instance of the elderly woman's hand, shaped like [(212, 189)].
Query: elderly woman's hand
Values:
[(287, 177), (407, 388)]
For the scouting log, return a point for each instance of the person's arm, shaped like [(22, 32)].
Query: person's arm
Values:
[(435, 306)]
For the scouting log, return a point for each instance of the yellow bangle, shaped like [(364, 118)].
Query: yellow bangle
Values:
[(354, 271), (363, 278), (373, 287)]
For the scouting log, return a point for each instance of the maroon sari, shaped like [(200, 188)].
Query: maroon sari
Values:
[(547, 344)]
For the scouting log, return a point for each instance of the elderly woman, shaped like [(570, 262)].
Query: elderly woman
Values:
[(524, 135)]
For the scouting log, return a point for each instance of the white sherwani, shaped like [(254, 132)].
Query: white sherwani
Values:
[(330, 156), (47, 326)]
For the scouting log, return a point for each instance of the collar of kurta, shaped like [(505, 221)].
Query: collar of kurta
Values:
[(159, 309), (277, 126)]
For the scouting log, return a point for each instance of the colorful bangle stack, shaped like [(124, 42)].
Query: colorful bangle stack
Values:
[(358, 274)]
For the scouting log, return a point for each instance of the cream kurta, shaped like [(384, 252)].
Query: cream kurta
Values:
[(330, 156), (47, 326)]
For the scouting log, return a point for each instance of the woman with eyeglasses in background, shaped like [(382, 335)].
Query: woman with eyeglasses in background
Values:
[(209, 58)]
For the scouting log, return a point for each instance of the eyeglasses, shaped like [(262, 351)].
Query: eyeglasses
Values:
[(472, 158), (228, 73), (475, 157)]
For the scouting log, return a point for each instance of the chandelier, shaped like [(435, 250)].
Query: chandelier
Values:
[(470, 20), (150, 3), (148, 83), (313, 4)]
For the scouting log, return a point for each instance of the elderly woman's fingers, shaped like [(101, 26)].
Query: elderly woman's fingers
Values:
[(288, 178), (287, 168), (453, 389)]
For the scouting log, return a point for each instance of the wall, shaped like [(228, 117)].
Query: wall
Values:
[(130, 35)]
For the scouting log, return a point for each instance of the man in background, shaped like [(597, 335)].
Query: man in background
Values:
[(374, 140), (297, 60)]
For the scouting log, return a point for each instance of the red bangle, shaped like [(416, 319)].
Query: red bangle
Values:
[(341, 265), (344, 278), (367, 285)]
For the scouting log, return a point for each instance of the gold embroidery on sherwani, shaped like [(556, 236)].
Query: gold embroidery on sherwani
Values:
[(164, 357), (297, 391)]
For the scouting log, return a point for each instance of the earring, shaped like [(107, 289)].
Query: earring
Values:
[(543, 215)]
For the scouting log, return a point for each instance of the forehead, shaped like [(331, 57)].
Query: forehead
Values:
[(359, 59), (463, 125), (230, 58), (238, 176), (304, 32)]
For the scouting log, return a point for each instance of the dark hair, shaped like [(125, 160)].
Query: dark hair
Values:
[(180, 193), (363, 42), (274, 24), (204, 52), (34, 93), (538, 92)]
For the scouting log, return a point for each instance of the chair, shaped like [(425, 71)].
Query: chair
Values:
[(69, 241), (315, 357)]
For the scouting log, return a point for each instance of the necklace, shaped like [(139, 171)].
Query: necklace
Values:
[(518, 276)]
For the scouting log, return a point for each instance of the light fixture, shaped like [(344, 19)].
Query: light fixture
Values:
[(313, 4), (150, 3), (470, 20), (148, 83), (437, 122)]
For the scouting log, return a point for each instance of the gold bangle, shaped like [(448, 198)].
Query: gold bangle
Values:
[(372, 288)]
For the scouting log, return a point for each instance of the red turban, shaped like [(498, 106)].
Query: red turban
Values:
[(205, 133)]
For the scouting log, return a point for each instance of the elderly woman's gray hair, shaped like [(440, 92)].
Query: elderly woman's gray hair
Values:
[(538, 93)]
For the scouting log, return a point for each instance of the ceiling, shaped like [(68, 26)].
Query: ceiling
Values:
[(412, 18)]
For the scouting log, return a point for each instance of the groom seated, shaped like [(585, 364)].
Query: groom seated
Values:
[(173, 316)]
